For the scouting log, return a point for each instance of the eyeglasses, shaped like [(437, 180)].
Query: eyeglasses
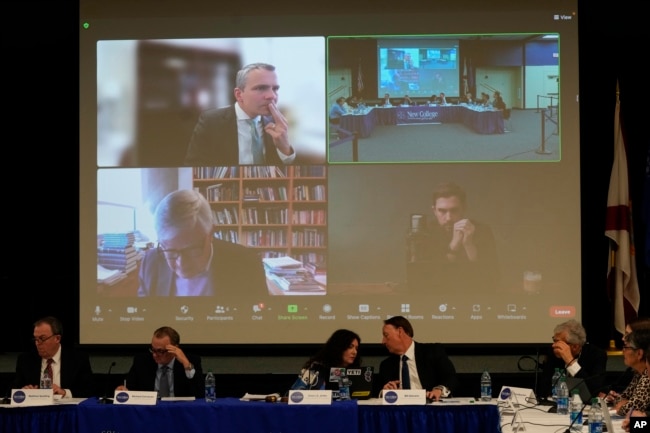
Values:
[(189, 252), (42, 339), (630, 348), (157, 351)]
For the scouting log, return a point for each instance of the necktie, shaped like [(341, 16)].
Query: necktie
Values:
[(48, 369), (406, 380), (256, 140), (163, 389)]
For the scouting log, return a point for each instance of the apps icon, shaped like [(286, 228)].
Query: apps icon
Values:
[(292, 308)]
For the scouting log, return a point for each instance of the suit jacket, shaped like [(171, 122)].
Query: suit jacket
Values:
[(76, 373), (235, 269), (433, 365), (593, 366), (142, 376), (215, 140)]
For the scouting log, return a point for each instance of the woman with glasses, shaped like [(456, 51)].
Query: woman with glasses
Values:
[(641, 336), (637, 394), (624, 380)]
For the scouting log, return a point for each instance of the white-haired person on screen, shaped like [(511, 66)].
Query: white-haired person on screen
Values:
[(189, 260)]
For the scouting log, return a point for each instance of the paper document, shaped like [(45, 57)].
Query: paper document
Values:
[(258, 397)]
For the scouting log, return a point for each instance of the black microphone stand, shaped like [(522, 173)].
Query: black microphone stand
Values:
[(105, 399)]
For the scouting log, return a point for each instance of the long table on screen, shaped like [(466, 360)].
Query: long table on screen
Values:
[(229, 415), (480, 121)]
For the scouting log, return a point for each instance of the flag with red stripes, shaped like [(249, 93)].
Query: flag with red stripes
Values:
[(621, 272)]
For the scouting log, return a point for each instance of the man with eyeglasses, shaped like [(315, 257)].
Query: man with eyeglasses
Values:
[(71, 373), (189, 261), (575, 357), (166, 368)]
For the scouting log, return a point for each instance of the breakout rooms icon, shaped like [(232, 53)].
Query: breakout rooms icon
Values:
[(292, 308)]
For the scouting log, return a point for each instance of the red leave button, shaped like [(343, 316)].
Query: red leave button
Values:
[(562, 311)]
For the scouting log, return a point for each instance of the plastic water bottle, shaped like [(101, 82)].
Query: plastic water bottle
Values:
[(595, 417), (46, 381), (344, 386), (575, 417), (554, 383), (486, 386), (562, 397), (210, 387)]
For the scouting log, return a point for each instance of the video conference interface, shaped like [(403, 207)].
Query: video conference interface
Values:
[(339, 244)]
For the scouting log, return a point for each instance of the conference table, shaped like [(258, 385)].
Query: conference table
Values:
[(232, 415), (480, 120)]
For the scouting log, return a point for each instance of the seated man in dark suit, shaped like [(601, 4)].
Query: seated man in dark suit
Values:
[(571, 353), (189, 261), (252, 131), (71, 373), (166, 369), (428, 366)]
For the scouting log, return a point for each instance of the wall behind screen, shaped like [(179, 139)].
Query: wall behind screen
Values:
[(35, 298)]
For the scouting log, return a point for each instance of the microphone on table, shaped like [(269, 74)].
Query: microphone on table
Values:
[(313, 380), (106, 399)]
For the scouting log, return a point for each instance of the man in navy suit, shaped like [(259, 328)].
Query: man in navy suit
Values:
[(183, 371), (224, 136), (72, 375), (428, 366)]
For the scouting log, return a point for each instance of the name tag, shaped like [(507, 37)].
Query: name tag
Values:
[(323, 396), (31, 397), (404, 396), (136, 397)]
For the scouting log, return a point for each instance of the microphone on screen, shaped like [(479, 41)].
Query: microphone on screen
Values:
[(105, 399)]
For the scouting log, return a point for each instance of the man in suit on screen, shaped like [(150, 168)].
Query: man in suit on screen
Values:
[(189, 261), (252, 131)]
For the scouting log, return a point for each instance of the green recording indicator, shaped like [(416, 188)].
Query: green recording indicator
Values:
[(86, 25)]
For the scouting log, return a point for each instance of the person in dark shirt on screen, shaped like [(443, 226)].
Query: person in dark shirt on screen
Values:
[(190, 261), (228, 136), (458, 253), (183, 374), (428, 365), (72, 376)]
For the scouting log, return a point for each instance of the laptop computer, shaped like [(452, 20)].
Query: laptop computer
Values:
[(607, 418), (361, 380), (574, 383)]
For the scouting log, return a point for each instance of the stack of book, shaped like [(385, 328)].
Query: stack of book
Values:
[(290, 274), (117, 252)]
